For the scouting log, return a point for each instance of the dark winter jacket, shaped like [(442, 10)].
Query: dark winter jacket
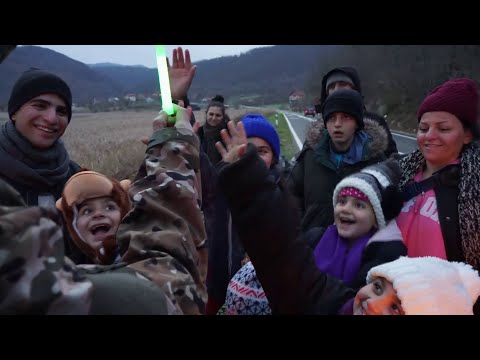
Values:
[(225, 251), (267, 223), (458, 203), (314, 176), (208, 136)]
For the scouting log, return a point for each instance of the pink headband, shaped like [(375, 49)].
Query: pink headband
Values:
[(351, 191)]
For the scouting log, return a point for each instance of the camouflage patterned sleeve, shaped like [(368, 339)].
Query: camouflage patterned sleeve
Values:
[(36, 277), (161, 235), (33, 276)]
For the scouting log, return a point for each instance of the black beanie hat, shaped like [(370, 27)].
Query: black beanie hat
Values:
[(344, 100), (35, 82)]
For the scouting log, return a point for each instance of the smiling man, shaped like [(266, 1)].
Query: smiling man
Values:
[(32, 159)]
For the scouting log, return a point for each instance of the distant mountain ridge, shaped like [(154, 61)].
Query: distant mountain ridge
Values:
[(107, 64), (270, 73), (84, 82)]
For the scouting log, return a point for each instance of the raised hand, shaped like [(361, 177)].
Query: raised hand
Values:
[(196, 127), (181, 73), (235, 142)]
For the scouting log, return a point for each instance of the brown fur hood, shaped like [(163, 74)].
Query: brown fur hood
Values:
[(86, 185), (377, 146)]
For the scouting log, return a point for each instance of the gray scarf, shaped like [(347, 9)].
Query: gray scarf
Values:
[(23, 164)]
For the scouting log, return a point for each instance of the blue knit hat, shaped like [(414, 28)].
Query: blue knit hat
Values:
[(257, 126)]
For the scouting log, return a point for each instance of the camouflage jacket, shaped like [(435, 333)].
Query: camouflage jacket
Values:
[(162, 236), (36, 277), (160, 239)]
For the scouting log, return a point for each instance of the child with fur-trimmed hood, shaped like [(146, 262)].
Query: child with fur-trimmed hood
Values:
[(37, 278), (343, 144), (162, 234), (93, 205)]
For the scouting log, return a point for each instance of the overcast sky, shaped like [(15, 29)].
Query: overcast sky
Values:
[(143, 54)]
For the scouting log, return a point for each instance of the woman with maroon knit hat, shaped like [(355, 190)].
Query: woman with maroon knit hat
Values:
[(441, 180)]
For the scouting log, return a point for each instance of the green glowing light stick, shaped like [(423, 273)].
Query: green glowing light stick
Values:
[(167, 105)]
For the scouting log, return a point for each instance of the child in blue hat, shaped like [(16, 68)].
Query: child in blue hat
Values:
[(226, 254), (245, 295)]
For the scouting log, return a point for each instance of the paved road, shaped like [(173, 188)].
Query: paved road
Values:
[(405, 144), (299, 123)]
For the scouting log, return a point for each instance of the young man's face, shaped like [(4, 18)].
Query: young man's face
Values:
[(264, 150), (98, 219), (42, 120), (377, 298), (353, 217), (341, 128)]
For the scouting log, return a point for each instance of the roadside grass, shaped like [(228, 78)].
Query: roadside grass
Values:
[(287, 146)]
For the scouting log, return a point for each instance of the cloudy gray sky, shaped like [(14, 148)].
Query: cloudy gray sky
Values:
[(142, 54)]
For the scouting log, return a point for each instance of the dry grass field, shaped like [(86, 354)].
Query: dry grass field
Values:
[(110, 142)]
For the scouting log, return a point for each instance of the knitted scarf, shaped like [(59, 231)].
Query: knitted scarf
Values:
[(21, 163), (335, 257), (468, 199)]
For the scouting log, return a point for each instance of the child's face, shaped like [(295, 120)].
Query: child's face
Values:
[(264, 150), (341, 128), (98, 219), (377, 298), (353, 217)]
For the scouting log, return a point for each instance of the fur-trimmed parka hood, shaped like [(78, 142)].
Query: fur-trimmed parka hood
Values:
[(378, 136)]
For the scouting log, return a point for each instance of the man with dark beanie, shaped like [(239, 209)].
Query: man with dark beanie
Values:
[(344, 143), (34, 82), (347, 77), (33, 159)]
